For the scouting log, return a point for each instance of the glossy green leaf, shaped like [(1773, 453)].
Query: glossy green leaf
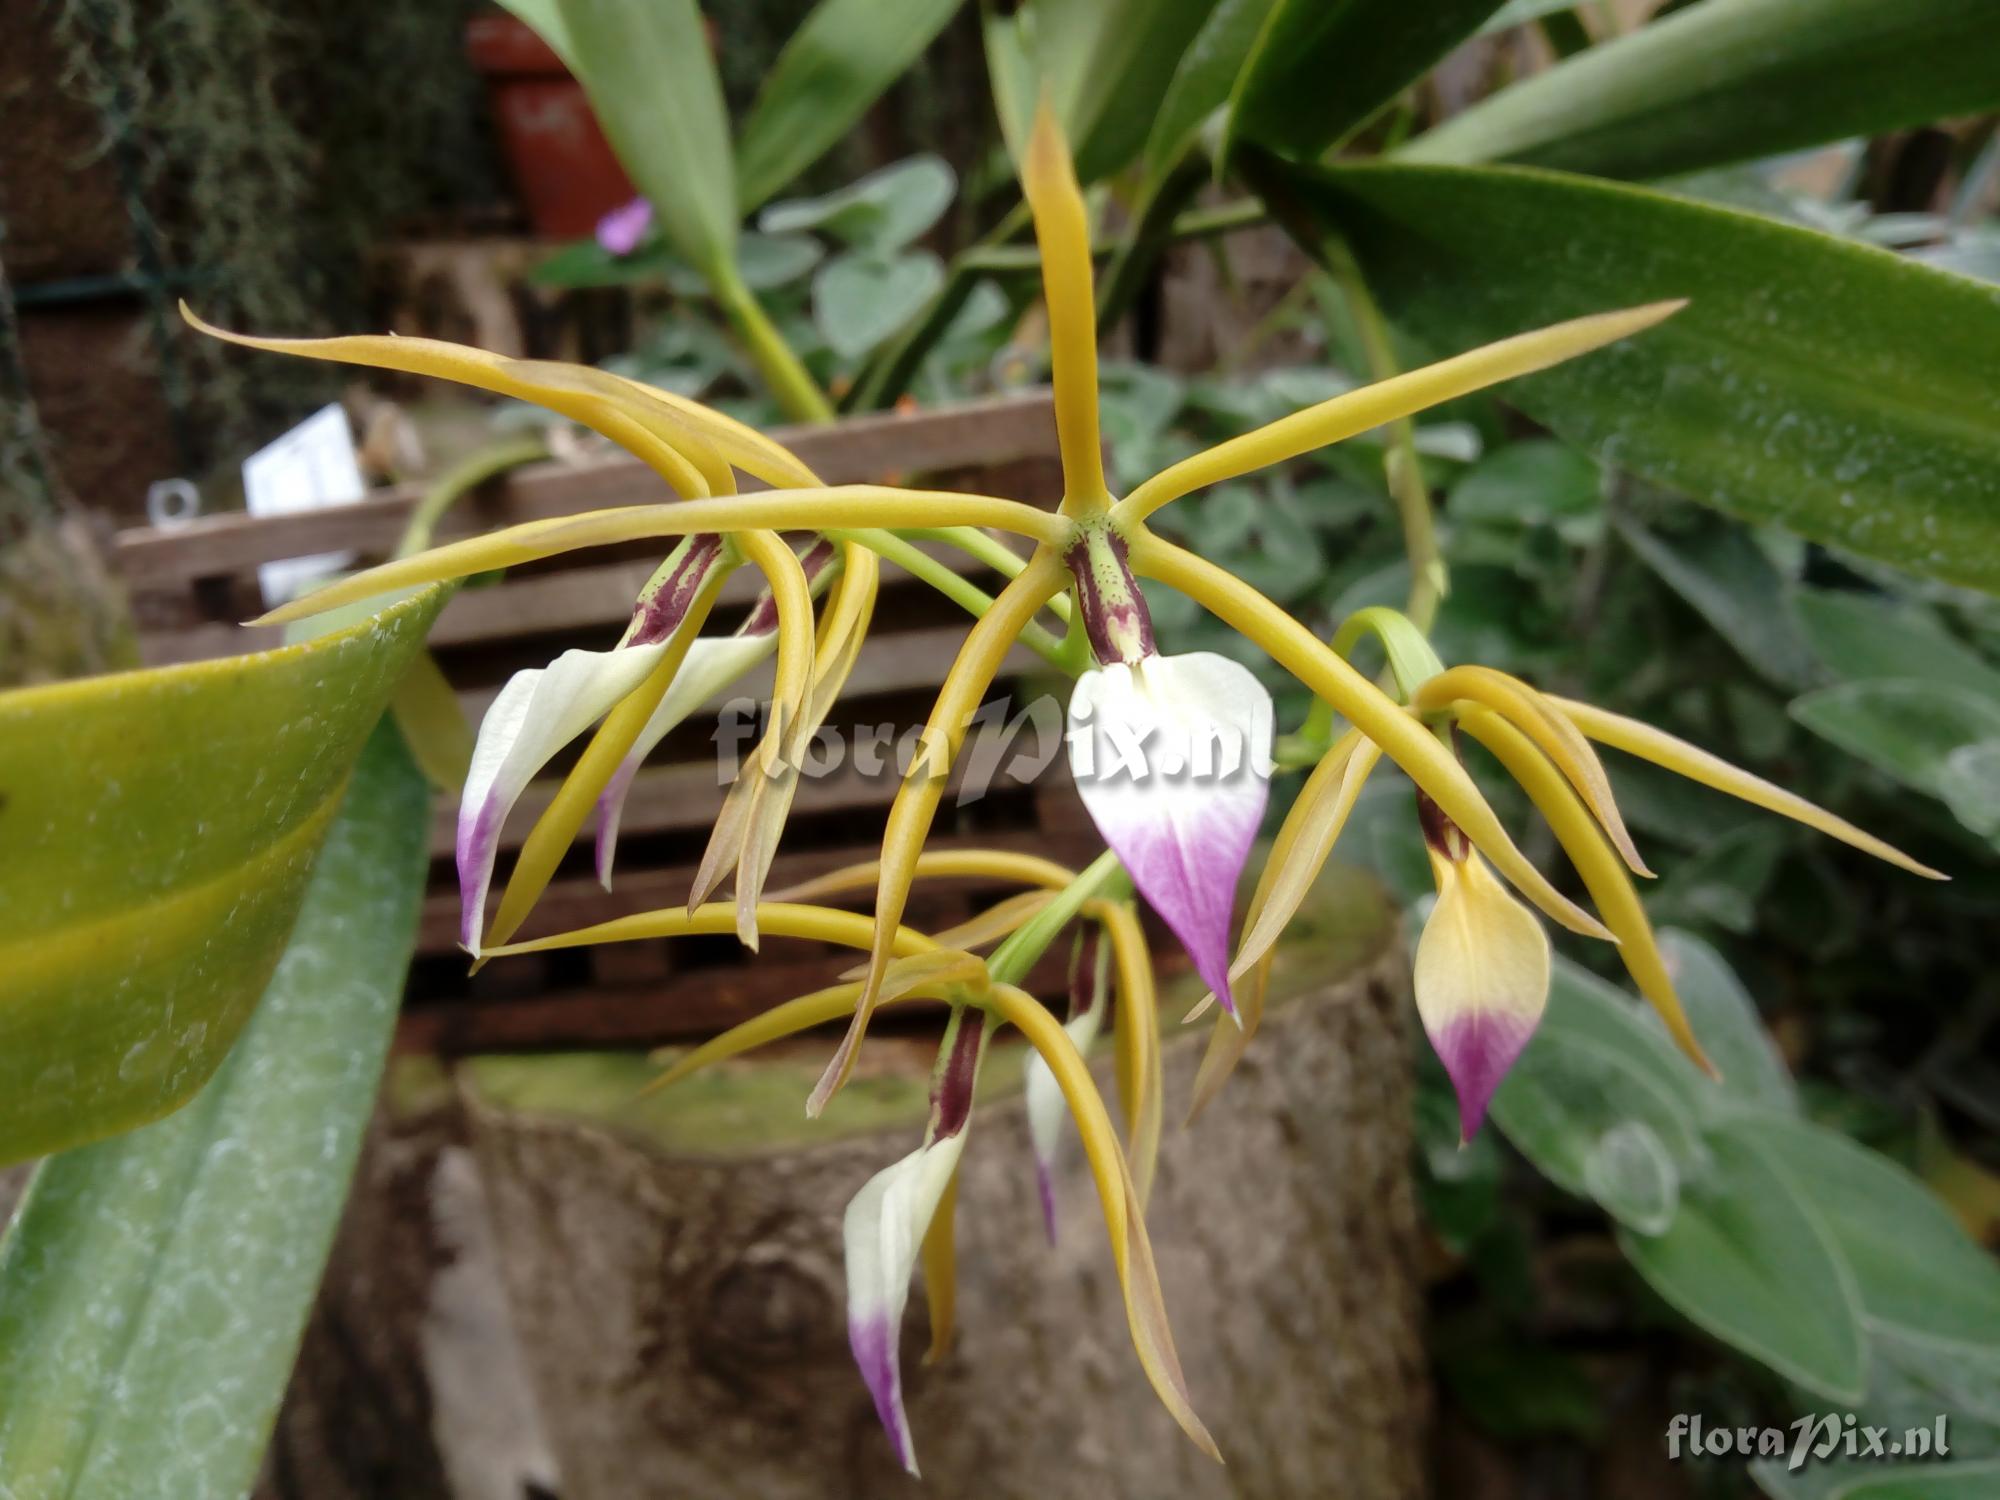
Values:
[(1529, 483), (1913, 1265), (1860, 635), (651, 80), (1830, 387), (837, 63), (1749, 1263), (159, 828), (153, 1288), (1732, 1033), (763, 261), (1120, 74), (1601, 1104), (1936, 737), (1320, 68), (1728, 82), (1202, 82)]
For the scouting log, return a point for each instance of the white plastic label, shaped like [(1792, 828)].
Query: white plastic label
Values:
[(310, 468)]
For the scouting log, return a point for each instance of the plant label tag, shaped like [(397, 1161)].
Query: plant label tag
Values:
[(310, 468)]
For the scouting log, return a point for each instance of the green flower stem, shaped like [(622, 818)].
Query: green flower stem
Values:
[(1428, 578), (788, 381), (1012, 960), (893, 547), (470, 473), (990, 550)]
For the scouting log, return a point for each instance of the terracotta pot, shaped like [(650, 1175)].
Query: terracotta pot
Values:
[(563, 168)]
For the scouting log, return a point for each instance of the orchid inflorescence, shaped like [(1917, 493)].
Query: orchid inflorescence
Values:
[(1171, 754)]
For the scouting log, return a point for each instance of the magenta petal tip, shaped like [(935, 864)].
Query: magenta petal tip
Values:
[(873, 1340)]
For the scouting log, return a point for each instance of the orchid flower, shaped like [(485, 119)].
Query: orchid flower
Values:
[(1482, 967)]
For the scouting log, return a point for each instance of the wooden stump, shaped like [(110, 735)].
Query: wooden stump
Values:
[(674, 1267)]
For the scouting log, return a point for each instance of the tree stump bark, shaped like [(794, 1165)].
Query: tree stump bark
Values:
[(674, 1267)]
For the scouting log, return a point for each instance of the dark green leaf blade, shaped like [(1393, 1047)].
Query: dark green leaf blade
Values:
[(837, 63), (1830, 387), (153, 1288), (1320, 68), (1714, 84)]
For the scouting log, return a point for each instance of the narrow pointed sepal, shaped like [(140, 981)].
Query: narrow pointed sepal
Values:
[(536, 714), (1172, 759), (883, 1231), (1482, 980)]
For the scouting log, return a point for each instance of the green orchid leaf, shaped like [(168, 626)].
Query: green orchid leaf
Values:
[(1914, 1266), (1830, 387), (1319, 69), (859, 299), (839, 61), (1120, 77), (1732, 1033), (881, 212), (651, 79), (1751, 1264), (1723, 83), (1531, 483), (1859, 636), (1937, 737), (545, 19), (159, 830), (153, 1288), (1201, 84), (1731, 584)]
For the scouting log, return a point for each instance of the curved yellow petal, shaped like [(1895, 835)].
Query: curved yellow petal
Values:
[(993, 864), (1400, 735), (850, 929), (623, 420), (1304, 842), (1131, 1251), (1609, 886), (979, 658), (1557, 737), (835, 507), (1370, 406), (1677, 755), (1228, 1040), (940, 1263), (1136, 1028), (780, 1021), (1062, 230)]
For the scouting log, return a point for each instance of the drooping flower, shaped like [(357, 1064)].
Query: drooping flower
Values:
[(1482, 969), (887, 1221), (543, 708), (1171, 756)]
